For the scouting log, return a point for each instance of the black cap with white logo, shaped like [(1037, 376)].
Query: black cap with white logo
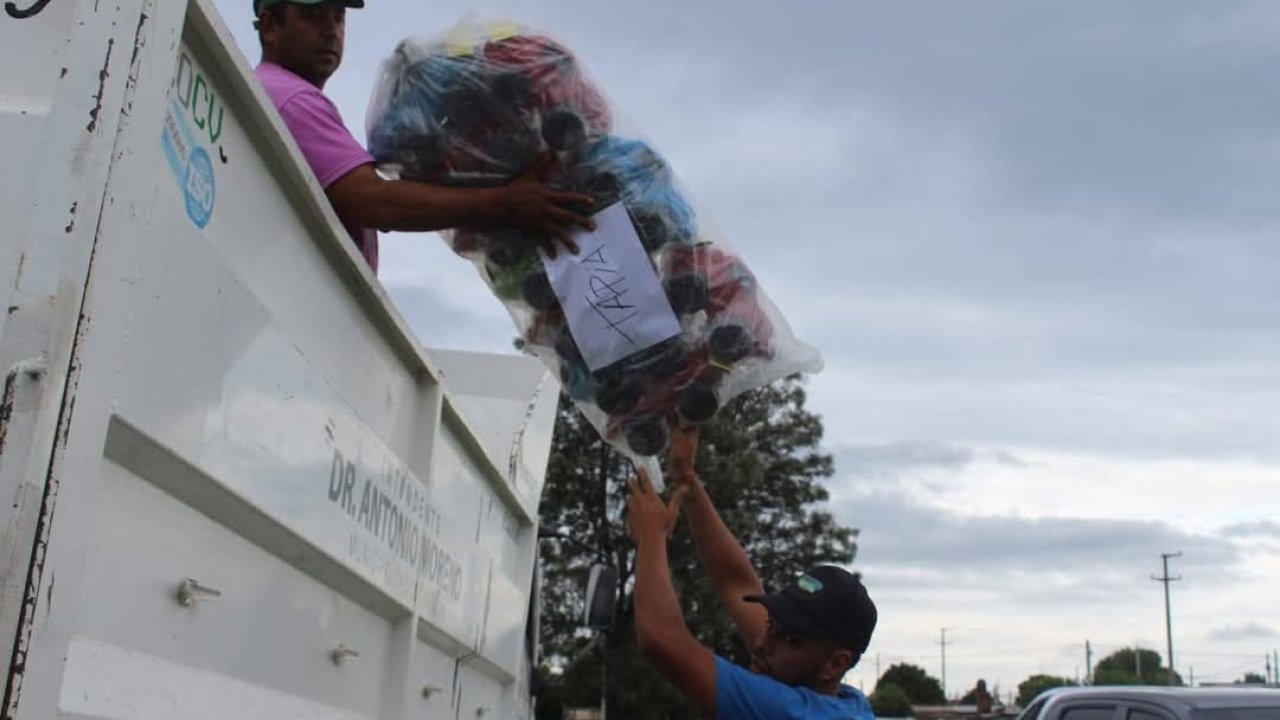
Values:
[(827, 601)]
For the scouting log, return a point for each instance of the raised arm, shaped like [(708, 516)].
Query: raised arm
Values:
[(364, 198), (722, 555), (661, 632)]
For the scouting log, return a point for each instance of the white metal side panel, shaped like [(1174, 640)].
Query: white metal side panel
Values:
[(65, 68), (107, 681), (26, 100), (492, 390), (252, 422)]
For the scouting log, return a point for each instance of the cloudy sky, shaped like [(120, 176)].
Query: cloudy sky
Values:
[(1036, 244)]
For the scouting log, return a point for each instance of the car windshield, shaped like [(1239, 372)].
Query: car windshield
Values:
[(1033, 710), (1251, 713)]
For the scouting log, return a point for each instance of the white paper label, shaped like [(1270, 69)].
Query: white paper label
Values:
[(611, 296)]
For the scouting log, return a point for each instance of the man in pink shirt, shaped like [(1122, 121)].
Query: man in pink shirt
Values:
[(302, 43)]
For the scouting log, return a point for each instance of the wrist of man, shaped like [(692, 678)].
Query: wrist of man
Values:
[(651, 540), (685, 476), (502, 209), (696, 489), (697, 508)]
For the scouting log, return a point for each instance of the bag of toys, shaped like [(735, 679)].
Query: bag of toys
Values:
[(476, 108)]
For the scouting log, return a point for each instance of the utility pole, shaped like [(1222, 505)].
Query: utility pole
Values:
[(1168, 620), (1088, 663), (943, 643)]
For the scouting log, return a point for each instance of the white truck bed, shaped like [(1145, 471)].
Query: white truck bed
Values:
[(233, 483)]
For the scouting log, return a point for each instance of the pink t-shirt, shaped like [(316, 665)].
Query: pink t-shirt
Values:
[(328, 146)]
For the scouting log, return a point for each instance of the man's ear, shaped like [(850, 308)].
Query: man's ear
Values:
[(266, 24), (838, 664)]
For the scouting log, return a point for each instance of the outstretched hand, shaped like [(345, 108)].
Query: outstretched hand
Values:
[(648, 517), (547, 213)]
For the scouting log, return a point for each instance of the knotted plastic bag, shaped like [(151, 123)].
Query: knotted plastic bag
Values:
[(477, 107)]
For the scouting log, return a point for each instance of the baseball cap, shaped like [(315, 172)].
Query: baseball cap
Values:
[(260, 5), (827, 601)]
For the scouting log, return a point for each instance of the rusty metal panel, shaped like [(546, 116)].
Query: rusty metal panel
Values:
[(67, 70)]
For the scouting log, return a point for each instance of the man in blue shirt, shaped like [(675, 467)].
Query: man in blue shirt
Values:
[(803, 639)]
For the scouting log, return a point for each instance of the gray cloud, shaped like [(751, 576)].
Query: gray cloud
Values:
[(1247, 631), (440, 322), (1010, 460), (1258, 529), (888, 461), (916, 546)]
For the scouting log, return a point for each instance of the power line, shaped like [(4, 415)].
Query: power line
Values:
[(1168, 619), (1222, 654)]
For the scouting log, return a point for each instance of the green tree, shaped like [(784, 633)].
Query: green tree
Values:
[(889, 700), (1031, 687), (1133, 666), (920, 687), (762, 464), (1252, 678)]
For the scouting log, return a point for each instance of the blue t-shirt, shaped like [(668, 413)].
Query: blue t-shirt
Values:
[(744, 695)]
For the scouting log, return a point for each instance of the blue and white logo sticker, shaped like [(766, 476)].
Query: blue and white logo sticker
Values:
[(199, 188), (190, 164)]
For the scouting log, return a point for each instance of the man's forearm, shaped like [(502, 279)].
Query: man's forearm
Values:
[(722, 555), (662, 634), (409, 206), (726, 562), (657, 608)]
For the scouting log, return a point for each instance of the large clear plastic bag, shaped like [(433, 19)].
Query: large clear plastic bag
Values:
[(477, 107)]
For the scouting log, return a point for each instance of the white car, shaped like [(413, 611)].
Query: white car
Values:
[(1154, 703)]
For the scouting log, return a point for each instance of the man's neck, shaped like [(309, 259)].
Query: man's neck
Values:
[(268, 59), (831, 688)]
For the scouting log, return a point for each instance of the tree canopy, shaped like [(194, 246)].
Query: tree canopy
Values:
[(889, 700), (1132, 666), (1031, 687), (920, 686)]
